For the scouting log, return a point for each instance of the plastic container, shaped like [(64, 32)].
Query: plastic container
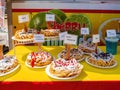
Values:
[(111, 45)]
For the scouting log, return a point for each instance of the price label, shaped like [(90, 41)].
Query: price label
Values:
[(3, 39), (70, 39), (111, 33), (84, 31), (62, 35), (23, 18), (30, 31), (38, 38), (50, 17), (96, 38)]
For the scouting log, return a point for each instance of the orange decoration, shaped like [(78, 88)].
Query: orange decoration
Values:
[(25, 27), (39, 47), (49, 25), (68, 52)]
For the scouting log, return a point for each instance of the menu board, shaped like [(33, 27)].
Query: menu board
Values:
[(70, 39), (38, 38), (84, 31), (23, 18), (3, 39), (62, 35), (50, 17), (111, 33), (96, 38)]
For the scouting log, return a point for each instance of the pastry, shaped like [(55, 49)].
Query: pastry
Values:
[(23, 37), (87, 47), (50, 32), (7, 64), (65, 68), (39, 59), (101, 59), (74, 53), (20, 34)]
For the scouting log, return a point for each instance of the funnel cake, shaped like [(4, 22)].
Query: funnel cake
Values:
[(38, 59), (22, 37), (87, 47), (74, 53), (7, 64), (65, 68), (101, 59), (50, 32), (21, 34)]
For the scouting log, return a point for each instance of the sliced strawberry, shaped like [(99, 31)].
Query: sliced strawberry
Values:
[(33, 62), (33, 59)]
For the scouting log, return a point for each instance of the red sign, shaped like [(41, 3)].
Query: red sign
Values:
[(67, 26)]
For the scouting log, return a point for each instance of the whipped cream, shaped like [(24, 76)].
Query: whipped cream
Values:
[(62, 64), (103, 56), (6, 63), (41, 55)]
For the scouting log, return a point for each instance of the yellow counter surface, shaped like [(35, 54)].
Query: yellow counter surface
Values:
[(89, 73)]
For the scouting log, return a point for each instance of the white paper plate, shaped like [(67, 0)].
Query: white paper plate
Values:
[(98, 49), (59, 78), (51, 37), (38, 66), (11, 70), (100, 66), (22, 39), (34, 66), (77, 60)]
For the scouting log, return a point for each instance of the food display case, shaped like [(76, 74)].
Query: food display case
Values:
[(62, 44)]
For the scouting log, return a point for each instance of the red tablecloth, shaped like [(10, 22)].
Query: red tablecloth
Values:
[(74, 85)]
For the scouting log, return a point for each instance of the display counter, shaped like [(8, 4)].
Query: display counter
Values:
[(30, 78)]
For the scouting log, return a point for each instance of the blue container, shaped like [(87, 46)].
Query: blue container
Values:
[(111, 45)]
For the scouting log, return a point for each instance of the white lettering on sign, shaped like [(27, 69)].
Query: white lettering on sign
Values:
[(50, 17), (96, 38), (62, 35), (111, 33), (38, 38), (84, 31), (3, 39), (70, 39), (23, 18)]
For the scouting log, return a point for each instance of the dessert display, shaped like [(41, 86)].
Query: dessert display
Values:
[(8, 64), (23, 37), (50, 32), (38, 59), (64, 69), (87, 47), (74, 53), (102, 59)]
